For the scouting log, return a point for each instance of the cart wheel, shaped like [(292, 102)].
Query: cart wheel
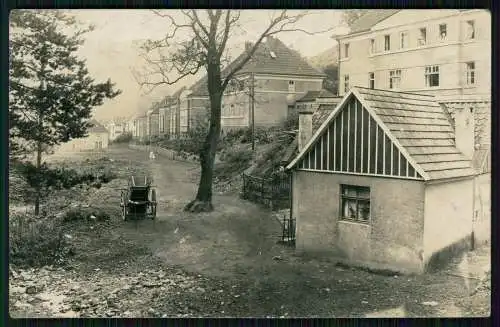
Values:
[(124, 207), (153, 195)]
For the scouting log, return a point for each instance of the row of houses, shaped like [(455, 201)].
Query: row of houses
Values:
[(394, 169), (269, 84), (396, 174)]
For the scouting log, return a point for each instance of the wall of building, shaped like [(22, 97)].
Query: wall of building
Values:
[(392, 240), (270, 101), (154, 124), (450, 54), (448, 214), (85, 143)]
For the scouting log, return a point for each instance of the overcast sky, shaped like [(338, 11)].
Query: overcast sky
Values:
[(111, 49)]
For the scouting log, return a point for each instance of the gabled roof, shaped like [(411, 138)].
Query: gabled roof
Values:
[(97, 127), (371, 18), (416, 124), (271, 57)]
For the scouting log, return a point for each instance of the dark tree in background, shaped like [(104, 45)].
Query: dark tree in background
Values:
[(204, 46), (331, 81), (51, 93)]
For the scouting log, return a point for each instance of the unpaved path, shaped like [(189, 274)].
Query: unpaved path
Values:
[(227, 263)]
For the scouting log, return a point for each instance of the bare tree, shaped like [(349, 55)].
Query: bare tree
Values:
[(204, 44)]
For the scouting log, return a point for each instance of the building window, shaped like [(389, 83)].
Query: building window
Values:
[(442, 31), (471, 30), (346, 83), (395, 79), (387, 42), (471, 73), (404, 40), (372, 45), (346, 50), (431, 76), (371, 80), (355, 203), (291, 86), (422, 40)]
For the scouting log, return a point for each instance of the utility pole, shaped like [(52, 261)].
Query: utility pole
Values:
[(252, 109)]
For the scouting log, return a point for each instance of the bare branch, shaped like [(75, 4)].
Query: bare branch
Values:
[(227, 28)]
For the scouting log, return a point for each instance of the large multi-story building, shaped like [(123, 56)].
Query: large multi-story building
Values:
[(444, 53), (441, 52), (271, 81)]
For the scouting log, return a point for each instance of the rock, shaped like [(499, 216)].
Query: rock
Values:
[(32, 289), (430, 303)]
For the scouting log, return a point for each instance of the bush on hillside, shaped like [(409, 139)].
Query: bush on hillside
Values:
[(123, 138), (35, 241), (233, 162), (61, 177)]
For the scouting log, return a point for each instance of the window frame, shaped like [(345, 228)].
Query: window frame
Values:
[(422, 40), (395, 74), (357, 198), (346, 83), (372, 46), (346, 50), (371, 80), (470, 73), (433, 70), (387, 42), (470, 24), (441, 37), (403, 45)]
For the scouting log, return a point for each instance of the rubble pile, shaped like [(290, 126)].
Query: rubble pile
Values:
[(153, 293)]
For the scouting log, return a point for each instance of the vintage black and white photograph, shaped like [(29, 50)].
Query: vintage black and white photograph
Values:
[(256, 163)]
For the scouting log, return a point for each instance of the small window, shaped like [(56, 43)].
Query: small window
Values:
[(355, 202), (346, 50), (404, 40), (471, 30), (372, 45), (442, 31), (422, 40), (395, 79), (471, 73), (432, 76), (371, 80), (346, 83), (387, 42)]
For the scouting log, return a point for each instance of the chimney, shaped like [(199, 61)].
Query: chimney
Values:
[(464, 131), (305, 127)]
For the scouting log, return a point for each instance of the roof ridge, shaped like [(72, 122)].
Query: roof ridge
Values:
[(392, 91)]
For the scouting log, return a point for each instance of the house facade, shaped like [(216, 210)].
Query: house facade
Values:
[(276, 76), (97, 139), (438, 52), (380, 182)]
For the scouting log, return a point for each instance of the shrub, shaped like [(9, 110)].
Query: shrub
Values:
[(61, 177), (36, 241), (85, 214), (123, 138)]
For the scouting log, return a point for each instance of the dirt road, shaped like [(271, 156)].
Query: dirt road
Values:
[(233, 256)]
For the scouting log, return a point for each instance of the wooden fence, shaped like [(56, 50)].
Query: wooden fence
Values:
[(274, 193)]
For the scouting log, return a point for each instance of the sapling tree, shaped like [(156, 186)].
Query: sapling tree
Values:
[(51, 93), (203, 43)]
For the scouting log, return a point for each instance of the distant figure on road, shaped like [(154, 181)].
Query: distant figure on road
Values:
[(152, 155)]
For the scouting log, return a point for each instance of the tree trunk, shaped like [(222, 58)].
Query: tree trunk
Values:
[(39, 177), (203, 200)]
